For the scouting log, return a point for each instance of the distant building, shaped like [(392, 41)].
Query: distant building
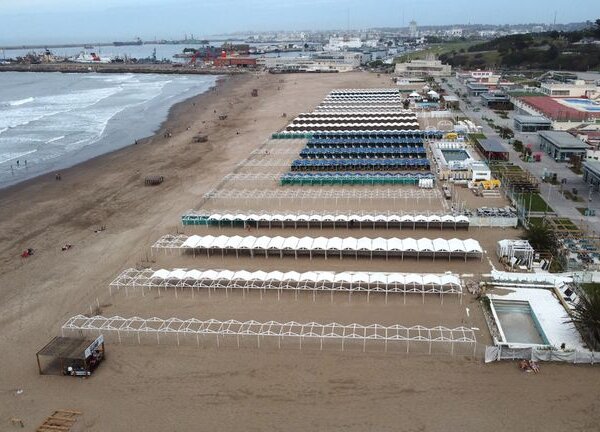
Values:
[(423, 68), (478, 76), (325, 61), (234, 61), (577, 89), (454, 32), (496, 101), (475, 89), (342, 43), (562, 145), (527, 123), (413, 32)]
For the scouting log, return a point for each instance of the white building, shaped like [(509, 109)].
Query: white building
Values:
[(421, 68), (413, 32), (479, 171), (454, 32), (342, 43), (478, 76), (577, 89), (339, 61)]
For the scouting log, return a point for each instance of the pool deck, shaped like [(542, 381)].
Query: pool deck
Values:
[(585, 105), (549, 312)]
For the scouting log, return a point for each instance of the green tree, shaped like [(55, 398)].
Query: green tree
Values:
[(586, 317), (540, 237), (518, 146), (552, 53)]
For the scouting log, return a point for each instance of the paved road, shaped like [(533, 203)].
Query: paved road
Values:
[(551, 193)]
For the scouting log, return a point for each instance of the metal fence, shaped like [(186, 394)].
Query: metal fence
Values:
[(503, 352)]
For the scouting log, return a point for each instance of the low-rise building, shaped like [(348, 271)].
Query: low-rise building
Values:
[(451, 101), (422, 68), (476, 89), (496, 101), (479, 171), (340, 61), (591, 173), (589, 134), (576, 89), (492, 149), (478, 76), (235, 61), (592, 154), (342, 43), (561, 146), (527, 123)]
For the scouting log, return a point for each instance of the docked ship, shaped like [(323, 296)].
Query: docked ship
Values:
[(137, 41), (84, 57)]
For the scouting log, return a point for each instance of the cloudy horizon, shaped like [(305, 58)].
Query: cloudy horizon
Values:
[(70, 21)]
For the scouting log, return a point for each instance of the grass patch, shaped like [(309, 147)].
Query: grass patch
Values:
[(536, 222), (437, 50), (477, 136), (538, 204), (566, 223)]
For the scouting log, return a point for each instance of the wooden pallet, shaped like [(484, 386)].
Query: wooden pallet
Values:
[(59, 421)]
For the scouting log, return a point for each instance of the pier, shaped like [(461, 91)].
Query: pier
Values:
[(119, 68)]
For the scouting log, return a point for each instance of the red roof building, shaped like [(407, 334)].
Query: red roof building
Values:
[(556, 111)]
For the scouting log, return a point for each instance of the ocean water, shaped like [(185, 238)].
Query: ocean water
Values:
[(51, 121)]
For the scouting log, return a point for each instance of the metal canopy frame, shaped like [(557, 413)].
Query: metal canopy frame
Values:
[(146, 280), (271, 329), (325, 193)]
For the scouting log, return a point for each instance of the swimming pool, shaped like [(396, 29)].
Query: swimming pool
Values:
[(582, 104), (517, 323), (454, 155)]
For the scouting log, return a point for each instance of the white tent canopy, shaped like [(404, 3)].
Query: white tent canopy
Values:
[(402, 247), (321, 281), (264, 220)]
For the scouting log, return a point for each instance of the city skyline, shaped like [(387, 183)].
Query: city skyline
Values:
[(65, 21)]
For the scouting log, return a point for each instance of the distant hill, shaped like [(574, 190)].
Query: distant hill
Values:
[(576, 50)]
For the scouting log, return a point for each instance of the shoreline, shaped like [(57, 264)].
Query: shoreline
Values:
[(170, 118), (120, 68)]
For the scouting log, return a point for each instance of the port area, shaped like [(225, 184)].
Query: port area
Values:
[(121, 68)]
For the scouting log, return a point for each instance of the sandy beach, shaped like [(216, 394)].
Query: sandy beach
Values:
[(164, 387)]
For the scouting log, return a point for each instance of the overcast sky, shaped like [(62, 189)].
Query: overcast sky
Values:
[(52, 21)]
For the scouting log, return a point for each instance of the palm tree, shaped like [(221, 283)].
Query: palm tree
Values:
[(540, 237), (586, 317)]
